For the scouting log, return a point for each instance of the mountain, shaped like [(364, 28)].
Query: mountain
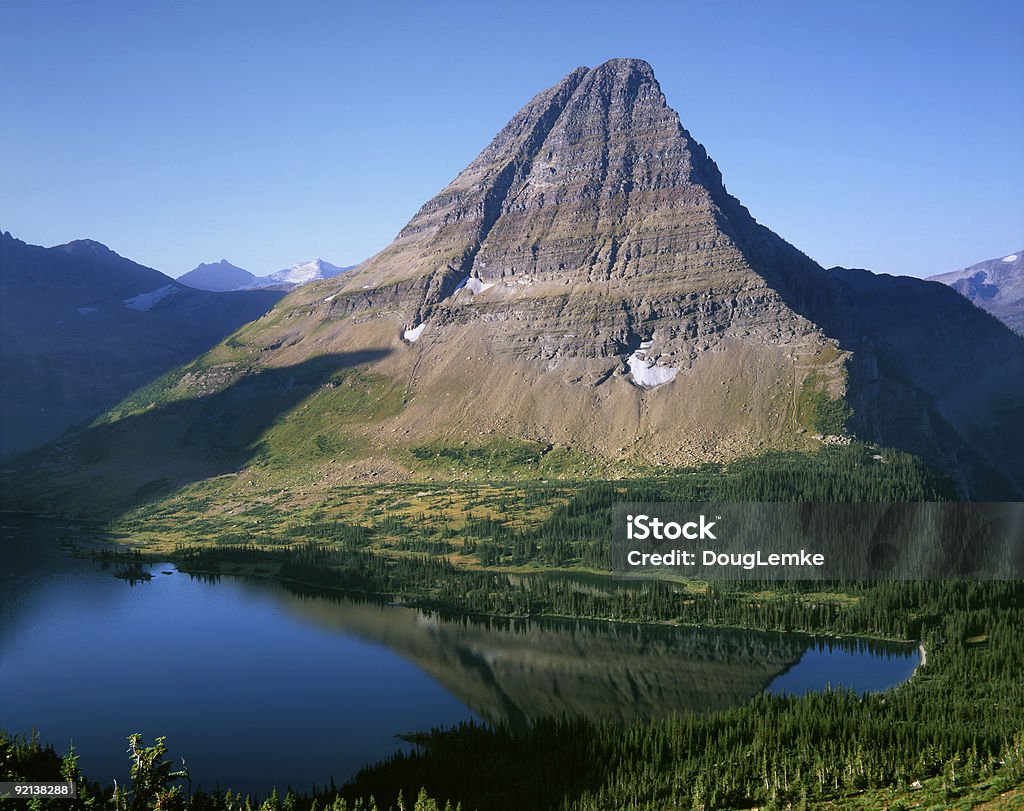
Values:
[(996, 285), (218, 277), (222, 276), (303, 272), (584, 299), (81, 327)]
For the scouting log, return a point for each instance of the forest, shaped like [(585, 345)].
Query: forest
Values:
[(950, 737)]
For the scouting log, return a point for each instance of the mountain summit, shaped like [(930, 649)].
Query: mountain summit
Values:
[(588, 287), (593, 188), (592, 239), (218, 277)]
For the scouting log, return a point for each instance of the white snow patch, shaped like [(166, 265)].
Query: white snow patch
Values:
[(86, 310), (647, 373), (1011, 258), (646, 344), (474, 285), (412, 335), (146, 301), (330, 298), (306, 272)]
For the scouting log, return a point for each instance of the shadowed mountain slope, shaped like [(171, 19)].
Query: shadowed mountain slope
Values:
[(81, 327)]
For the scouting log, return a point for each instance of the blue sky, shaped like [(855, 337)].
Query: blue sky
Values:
[(886, 135)]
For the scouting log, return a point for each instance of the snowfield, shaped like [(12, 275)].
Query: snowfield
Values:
[(146, 301), (474, 285), (646, 373), (412, 335)]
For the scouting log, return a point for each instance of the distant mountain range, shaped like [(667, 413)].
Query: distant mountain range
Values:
[(81, 327), (222, 276), (995, 285)]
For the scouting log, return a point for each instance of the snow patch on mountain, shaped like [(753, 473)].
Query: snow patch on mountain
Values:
[(146, 301), (646, 373), (474, 285), (305, 272), (412, 335)]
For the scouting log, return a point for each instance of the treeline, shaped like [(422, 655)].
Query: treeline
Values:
[(577, 530), (887, 609)]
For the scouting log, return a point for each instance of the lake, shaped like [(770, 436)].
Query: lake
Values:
[(256, 684)]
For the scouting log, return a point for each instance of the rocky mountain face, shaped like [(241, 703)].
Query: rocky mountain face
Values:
[(583, 282), (587, 283), (218, 277), (996, 285), (81, 327), (933, 375)]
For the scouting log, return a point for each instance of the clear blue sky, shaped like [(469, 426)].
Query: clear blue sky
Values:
[(886, 135)]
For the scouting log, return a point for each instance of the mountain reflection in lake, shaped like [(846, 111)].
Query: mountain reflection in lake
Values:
[(257, 685)]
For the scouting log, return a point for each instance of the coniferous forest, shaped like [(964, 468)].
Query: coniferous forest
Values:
[(951, 735)]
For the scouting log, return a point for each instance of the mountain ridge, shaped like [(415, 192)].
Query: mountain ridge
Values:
[(994, 285), (305, 272), (81, 326)]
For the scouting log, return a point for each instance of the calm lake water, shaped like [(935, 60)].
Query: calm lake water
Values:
[(256, 685)]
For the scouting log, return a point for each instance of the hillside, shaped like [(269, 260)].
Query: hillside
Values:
[(81, 327)]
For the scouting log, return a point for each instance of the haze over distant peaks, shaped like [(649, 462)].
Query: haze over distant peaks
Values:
[(222, 276), (307, 272), (218, 277), (995, 285)]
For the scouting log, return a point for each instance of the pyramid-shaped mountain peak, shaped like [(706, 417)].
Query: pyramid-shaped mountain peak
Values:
[(588, 283), (587, 256), (593, 181)]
